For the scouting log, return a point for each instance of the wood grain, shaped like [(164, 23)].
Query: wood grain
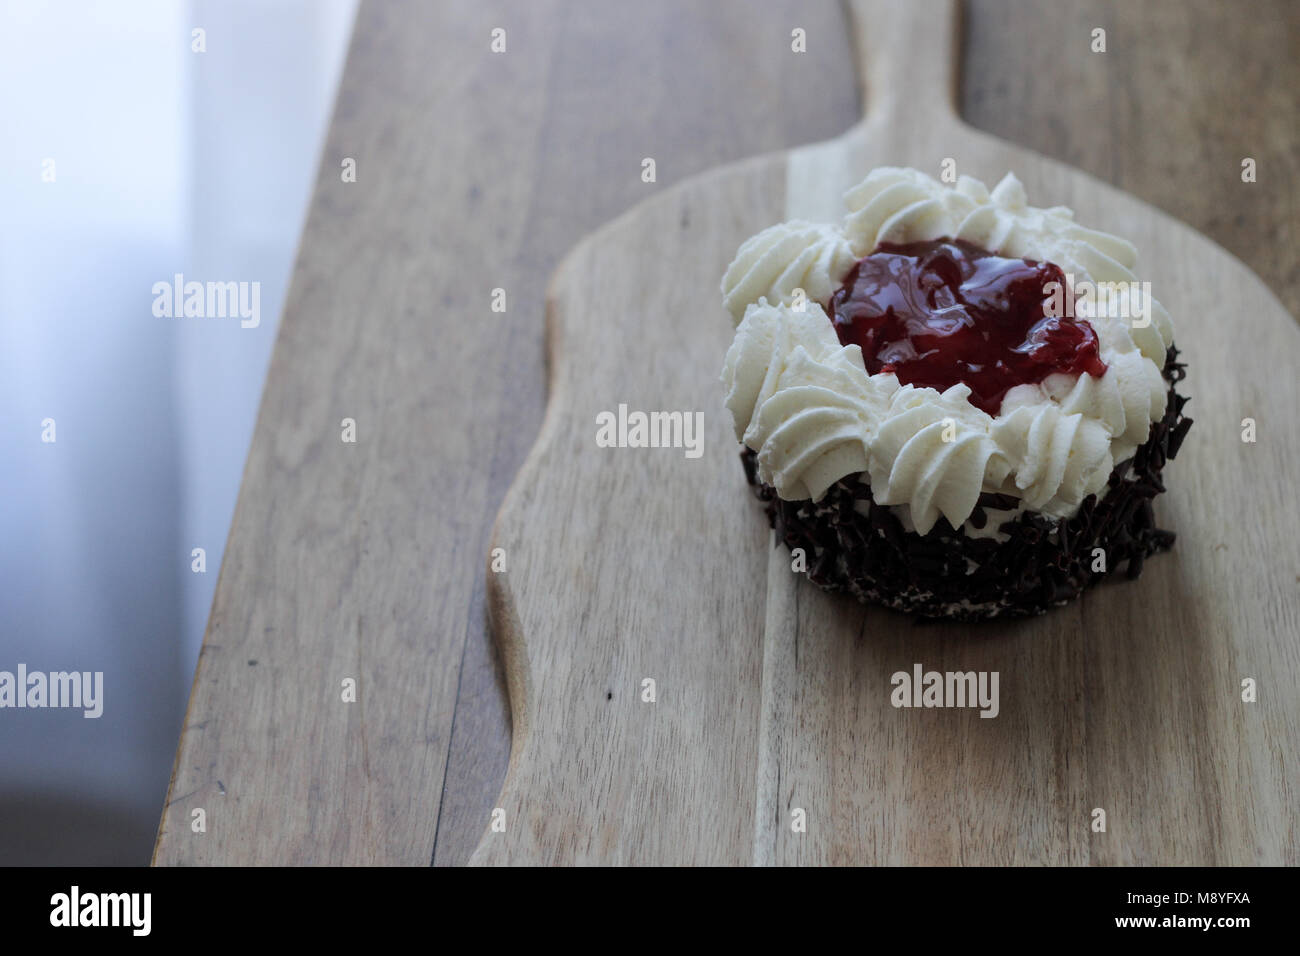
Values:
[(494, 167), (475, 171), (1184, 92), (631, 564)]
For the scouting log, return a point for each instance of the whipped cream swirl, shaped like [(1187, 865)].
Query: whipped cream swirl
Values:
[(809, 409)]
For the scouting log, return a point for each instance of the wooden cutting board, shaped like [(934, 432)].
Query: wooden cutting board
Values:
[(624, 566)]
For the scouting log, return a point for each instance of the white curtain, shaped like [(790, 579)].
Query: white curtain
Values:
[(126, 157)]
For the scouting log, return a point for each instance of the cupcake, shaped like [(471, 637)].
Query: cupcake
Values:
[(953, 403)]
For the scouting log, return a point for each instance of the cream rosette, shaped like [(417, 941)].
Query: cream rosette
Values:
[(809, 409)]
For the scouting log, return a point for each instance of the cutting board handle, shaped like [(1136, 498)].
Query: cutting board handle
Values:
[(907, 56)]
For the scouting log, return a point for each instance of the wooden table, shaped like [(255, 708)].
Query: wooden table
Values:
[(364, 561)]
